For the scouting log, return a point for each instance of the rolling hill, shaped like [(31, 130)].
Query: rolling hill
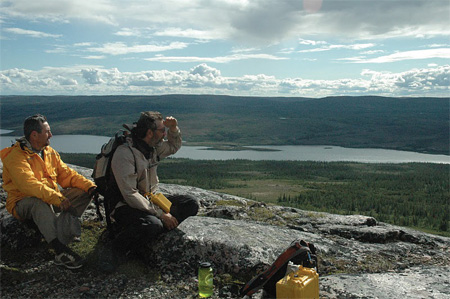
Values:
[(413, 124)]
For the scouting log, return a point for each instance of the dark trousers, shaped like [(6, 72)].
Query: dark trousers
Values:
[(137, 227)]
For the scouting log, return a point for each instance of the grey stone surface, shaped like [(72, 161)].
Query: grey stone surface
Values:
[(415, 282), (241, 237)]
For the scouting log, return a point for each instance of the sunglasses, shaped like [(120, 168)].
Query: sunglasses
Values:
[(162, 130)]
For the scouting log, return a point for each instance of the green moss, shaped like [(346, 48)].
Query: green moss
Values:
[(261, 214), (371, 263), (90, 236), (375, 263), (225, 279), (315, 215)]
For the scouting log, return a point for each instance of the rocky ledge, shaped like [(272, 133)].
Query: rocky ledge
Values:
[(358, 256)]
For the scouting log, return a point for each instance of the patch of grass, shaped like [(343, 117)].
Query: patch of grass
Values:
[(261, 214), (264, 190), (315, 215), (90, 238), (375, 263), (329, 265)]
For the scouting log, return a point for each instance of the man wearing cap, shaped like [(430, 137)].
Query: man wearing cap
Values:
[(134, 166)]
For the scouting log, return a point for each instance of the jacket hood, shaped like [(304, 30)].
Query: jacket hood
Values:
[(21, 142)]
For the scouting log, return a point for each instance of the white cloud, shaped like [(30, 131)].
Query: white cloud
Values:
[(190, 33), (52, 79), (119, 48), (273, 21), (415, 80), (205, 71), (128, 32), (433, 81), (311, 42), (438, 45), (5, 79), (355, 46), (338, 47), (32, 33), (408, 55), (95, 57), (243, 50), (61, 10), (92, 76), (256, 21), (57, 50), (84, 44), (66, 81), (219, 59), (372, 52)]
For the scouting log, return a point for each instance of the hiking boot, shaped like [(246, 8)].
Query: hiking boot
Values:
[(69, 259)]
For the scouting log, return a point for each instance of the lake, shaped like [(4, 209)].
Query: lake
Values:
[(92, 144)]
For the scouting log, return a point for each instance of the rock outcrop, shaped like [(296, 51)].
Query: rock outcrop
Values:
[(359, 257)]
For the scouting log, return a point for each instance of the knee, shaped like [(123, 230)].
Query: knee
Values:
[(151, 225), (194, 207), (39, 208)]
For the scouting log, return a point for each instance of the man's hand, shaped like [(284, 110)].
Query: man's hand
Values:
[(171, 123), (169, 221), (65, 205)]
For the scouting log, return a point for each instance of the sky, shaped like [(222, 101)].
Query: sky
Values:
[(289, 48)]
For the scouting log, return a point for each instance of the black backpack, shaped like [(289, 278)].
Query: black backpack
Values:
[(104, 178), (102, 167), (299, 252)]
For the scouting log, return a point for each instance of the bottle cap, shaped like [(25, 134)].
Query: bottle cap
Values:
[(205, 264)]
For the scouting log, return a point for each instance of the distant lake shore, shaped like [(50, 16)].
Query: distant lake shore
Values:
[(237, 148), (326, 153)]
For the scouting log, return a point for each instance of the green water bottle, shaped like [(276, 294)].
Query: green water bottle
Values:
[(205, 280)]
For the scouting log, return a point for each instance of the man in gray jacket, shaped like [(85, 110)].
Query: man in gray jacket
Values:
[(134, 166)]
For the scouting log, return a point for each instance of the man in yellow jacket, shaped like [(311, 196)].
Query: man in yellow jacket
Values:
[(39, 184)]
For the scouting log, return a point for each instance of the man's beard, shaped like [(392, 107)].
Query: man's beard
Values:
[(157, 141)]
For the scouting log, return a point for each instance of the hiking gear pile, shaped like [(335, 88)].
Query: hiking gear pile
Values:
[(299, 253)]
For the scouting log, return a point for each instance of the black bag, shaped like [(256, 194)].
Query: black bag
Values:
[(104, 178), (299, 252), (102, 167)]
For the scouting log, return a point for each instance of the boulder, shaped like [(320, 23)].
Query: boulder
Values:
[(232, 246), (17, 235)]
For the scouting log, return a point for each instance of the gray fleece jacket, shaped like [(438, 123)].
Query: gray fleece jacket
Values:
[(135, 175)]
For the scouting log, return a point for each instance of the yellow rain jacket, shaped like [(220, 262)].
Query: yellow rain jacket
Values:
[(26, 174)]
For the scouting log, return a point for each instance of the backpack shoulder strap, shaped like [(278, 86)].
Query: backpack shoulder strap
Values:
[(135, 162)]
